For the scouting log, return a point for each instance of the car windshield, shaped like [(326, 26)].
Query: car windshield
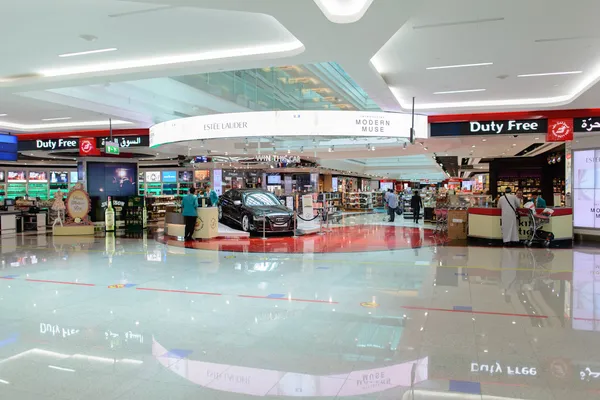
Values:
[(260, 199)]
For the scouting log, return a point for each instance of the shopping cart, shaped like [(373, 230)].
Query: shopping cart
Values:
[(537, 221)]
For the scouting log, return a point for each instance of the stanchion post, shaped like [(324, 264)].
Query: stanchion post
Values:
[(265, 228), (295, 224), (320, 224)]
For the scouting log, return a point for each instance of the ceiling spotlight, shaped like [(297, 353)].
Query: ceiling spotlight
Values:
[(274, 150), (473, 146), (273, 140), (484, 140), (202, 143), (514, 144), (301, 149), (226, 153), (331, 149), (404, 147), (372, 148), (245, 150), (425, 148), (289, 151), (247, 142)]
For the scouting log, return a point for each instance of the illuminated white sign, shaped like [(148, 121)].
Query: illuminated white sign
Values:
[(265, 382), (288, 123)]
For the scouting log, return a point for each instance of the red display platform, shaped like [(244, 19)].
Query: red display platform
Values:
[(363, 238)]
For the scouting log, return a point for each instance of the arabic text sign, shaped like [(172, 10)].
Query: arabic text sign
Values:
[(124, 141), (591, 124)]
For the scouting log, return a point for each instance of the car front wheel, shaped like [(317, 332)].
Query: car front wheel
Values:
[(246, 223)]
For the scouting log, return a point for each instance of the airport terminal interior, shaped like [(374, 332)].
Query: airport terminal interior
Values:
[(308, 199)]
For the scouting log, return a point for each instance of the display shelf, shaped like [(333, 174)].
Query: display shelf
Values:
[(184, 188), (527, 185), (16, 190), (153, 189), (134, 214), (378, 199), (169, 189), (358, 201)]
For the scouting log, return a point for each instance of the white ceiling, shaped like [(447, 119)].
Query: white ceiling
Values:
[(384, 45)]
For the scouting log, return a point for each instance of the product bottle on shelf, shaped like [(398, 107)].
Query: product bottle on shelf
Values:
[(109, 216)]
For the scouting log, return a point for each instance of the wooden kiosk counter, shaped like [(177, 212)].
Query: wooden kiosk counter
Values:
[(485, 225), (207, 224)]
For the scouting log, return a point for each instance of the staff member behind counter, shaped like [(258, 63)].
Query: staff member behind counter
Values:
[(189, 204)]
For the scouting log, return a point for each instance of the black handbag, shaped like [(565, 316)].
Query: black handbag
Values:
[(398, 211)]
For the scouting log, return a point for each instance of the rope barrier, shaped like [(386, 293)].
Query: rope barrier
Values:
[(312, 219)]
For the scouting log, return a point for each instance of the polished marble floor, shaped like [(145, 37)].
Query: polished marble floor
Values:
[(135, 318)]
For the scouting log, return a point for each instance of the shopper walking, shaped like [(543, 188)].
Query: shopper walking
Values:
[(416, 203), (509, 203), (392, 205), (190, 213)]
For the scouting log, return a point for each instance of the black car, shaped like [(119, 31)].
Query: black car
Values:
[(255, 209)]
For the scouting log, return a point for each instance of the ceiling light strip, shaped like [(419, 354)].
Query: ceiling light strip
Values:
[(550, 74), (84, 53), (184, 58), (461, 91), (56, 119), (461, 66), (26, 127)]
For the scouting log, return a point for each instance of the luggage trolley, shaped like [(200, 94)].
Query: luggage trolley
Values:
[(537, 234)]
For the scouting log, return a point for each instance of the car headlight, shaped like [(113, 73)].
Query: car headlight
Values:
[(259, 218)]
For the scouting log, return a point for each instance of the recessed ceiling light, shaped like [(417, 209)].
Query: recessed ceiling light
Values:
[(3, 115), (56, 119), (83, 53), (460, 91), (461, 66), (484, 140), (537, 138), (473, 146), (514, 144), (550, 74)]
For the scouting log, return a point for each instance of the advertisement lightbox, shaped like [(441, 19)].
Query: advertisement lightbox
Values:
[(169, 176), (59, 177), (152, 176), (16, 177), (38, 176), (586, 188)]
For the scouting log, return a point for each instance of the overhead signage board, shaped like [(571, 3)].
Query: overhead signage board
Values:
[(288, 123), (49, 144), (591, 124), (496, 127)]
